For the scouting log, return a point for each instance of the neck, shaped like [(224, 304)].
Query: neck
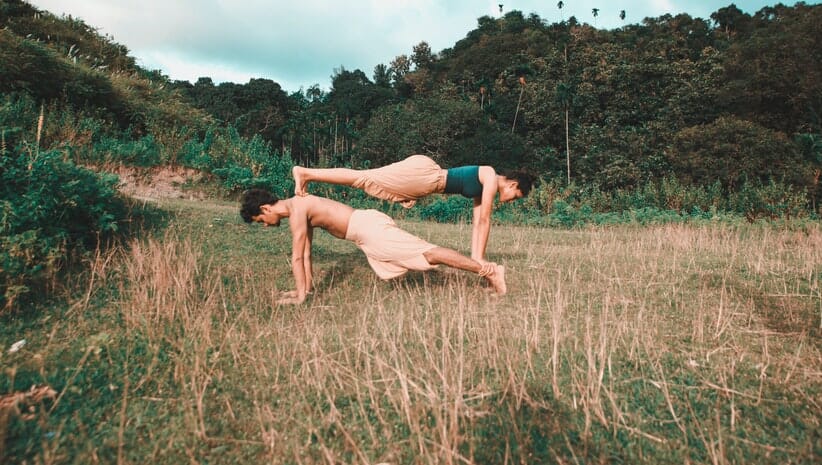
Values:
[(283, 207)]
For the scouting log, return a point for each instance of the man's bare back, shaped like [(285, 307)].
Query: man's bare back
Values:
[(320, 212)]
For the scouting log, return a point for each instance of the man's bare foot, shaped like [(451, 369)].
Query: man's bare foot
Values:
[(497, 280), (299, 183)]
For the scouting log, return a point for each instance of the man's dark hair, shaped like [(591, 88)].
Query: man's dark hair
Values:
[(252, 200), (524, 180)]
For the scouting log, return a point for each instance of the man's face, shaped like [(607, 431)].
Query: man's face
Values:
[(510, 191), (267, 216)]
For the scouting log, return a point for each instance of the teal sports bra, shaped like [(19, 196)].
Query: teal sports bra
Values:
[(463, 180)]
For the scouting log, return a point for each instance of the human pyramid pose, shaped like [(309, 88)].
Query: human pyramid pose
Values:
[(391, 252)]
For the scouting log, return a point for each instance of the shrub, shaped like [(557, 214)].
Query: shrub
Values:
[(242, 163), (772, 200), (50, 211), (144, 151), (447, 209), (731, 150)]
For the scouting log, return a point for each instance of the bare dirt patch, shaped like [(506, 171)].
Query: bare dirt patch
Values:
[(160, 182)]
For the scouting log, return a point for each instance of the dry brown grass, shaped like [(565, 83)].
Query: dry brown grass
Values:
[(697, 344)]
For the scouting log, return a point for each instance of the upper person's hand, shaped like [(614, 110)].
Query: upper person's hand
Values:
[(488, 268)]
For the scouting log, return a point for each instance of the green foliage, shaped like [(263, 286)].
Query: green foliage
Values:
[(710, 106), (144, 151), (258, 108), (665, 201), (772, 73), (773, 200), (240, 163), (70, 37), (447, 209), (454, 132), (31, 67), (50, 212), (730, 150)]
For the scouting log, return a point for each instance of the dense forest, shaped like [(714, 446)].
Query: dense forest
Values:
[(726, 99), (676, 113), (730, 98)]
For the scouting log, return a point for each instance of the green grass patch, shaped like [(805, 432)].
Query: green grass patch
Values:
[(673, 343)]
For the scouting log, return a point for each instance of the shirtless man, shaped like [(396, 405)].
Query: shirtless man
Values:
[(391, 252), (418, 176)]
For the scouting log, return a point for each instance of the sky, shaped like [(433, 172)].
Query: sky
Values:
[(301, 43)]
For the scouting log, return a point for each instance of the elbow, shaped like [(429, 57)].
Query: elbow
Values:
[(483, 222)]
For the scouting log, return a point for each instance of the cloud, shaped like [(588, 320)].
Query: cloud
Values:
[(300, 43)]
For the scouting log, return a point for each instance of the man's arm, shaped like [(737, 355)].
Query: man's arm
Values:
[(309, 271), (483, 206), (300, 249)]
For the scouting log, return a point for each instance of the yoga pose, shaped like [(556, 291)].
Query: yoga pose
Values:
[(418, 176), (391, 252)]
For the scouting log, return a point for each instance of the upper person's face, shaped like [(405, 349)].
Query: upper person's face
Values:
[(268, 216), (510, 191)]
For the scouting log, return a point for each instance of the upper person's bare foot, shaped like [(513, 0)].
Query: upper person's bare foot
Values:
[(497, 280), (299, 183)]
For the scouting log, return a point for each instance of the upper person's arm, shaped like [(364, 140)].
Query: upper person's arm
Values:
[(482, 212)]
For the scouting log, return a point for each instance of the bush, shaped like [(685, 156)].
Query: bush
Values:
[(773, 200), (144, 151), (50, 211), (731, 151)]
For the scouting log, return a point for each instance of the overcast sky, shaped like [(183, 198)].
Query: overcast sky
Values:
[(300, 43)]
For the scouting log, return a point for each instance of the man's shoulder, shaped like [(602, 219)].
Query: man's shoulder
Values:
[(313, 201), (312, 204)]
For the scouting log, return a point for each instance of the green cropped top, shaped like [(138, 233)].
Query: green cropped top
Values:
[(463, 180)]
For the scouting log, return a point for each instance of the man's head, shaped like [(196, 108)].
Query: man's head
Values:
[(253, 202), (517, 184)]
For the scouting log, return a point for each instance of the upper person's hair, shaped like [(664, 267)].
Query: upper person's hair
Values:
[(253, 200), (524, 180)]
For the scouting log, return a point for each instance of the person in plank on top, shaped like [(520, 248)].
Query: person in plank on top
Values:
[(418, 176)]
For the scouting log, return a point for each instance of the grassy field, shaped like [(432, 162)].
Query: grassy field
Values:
[(668, 344)]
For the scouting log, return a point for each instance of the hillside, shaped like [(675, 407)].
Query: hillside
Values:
[(68, 63)]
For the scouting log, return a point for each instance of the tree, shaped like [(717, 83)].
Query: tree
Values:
[(622, 15), (730, 19), (521, 81), (399, 68), (422, 56), (774, 76), (382, 75), (514, 22), (564, 97), (561, 4), (733, 151)]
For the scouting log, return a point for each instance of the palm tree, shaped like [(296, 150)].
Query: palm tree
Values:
[(595, 12), (521, 91), (560, 4), (564, 97)]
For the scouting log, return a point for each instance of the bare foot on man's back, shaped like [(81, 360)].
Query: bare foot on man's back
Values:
[(497, 280), (299, 183)]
